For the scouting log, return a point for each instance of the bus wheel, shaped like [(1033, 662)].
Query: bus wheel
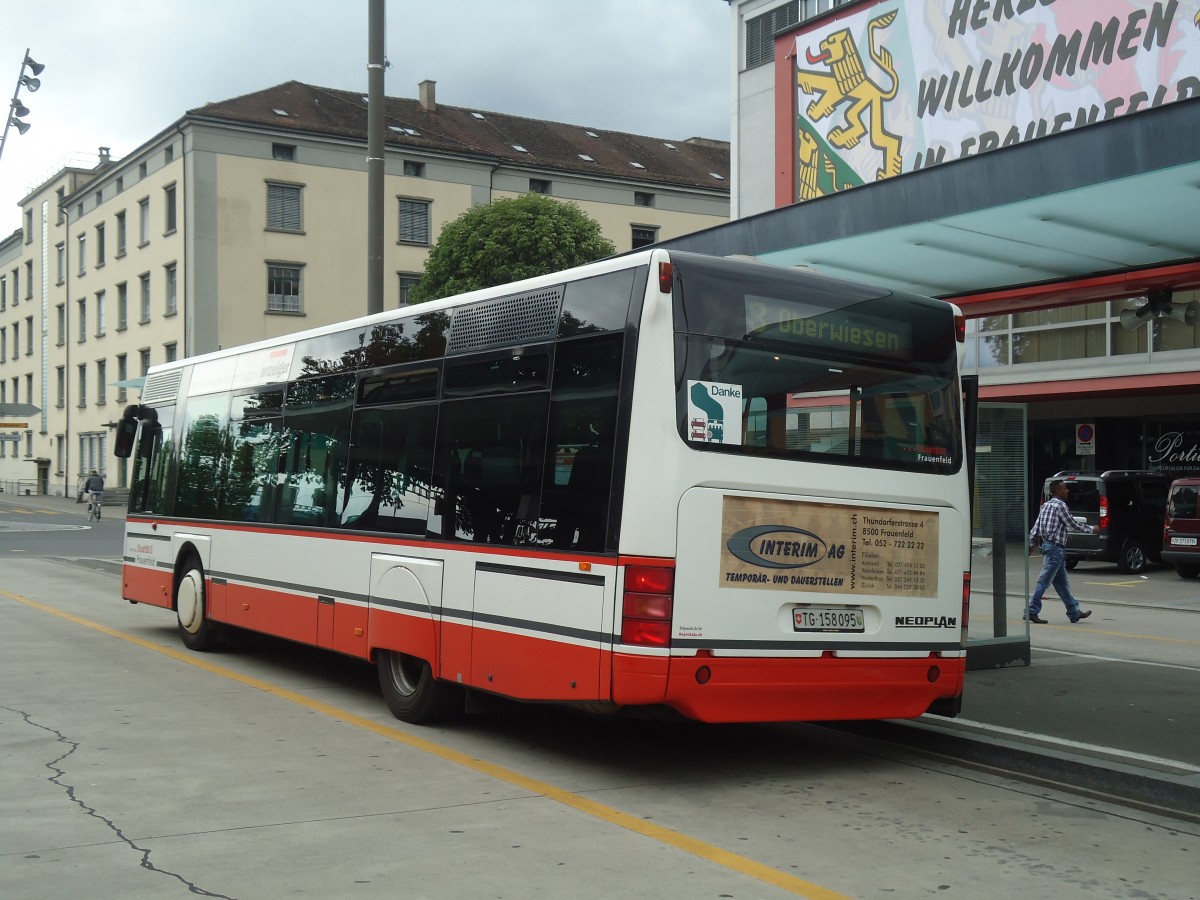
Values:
[(412, 693), (196, 630)]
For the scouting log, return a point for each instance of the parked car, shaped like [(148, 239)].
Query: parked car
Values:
[(1126, 507), (1181, 528)]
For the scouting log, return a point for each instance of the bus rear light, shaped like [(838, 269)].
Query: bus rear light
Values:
[(966, 604), (665, 277), (646, 606), (960, 328), (1103, 513)]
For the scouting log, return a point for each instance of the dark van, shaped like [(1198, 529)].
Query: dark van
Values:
[(1126, 507), (1181, 528)]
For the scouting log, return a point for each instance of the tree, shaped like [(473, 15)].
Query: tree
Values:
[(508, 240)]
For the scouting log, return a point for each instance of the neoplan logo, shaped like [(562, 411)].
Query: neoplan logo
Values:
[(926, 621)]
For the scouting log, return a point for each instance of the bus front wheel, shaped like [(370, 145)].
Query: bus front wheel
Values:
[(196, 629), (412, 693)]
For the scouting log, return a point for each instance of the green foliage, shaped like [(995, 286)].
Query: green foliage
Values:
[(508, 240)]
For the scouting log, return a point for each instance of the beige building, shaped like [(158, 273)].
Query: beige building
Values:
[(246, 219)]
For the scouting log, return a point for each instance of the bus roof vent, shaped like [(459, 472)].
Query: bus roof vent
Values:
[(161, 387), (506, 321)]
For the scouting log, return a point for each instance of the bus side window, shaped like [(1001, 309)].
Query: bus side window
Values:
[(578, 477), (391, 461), (204, 448), (315, 442), (489, 467), (153, 464)]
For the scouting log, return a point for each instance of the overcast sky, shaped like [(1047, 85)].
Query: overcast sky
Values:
[(119, 72)]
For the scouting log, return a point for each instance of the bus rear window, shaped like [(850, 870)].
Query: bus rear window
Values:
[(795, 365)]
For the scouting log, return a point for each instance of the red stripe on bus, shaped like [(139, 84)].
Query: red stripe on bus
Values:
[(144, 585)]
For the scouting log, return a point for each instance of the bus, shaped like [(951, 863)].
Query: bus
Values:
[(661, 483)]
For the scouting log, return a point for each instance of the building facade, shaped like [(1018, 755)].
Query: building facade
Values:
[(1035, 163), (246, 219)]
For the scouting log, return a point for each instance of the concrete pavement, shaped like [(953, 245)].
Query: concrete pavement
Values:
[(1095, 709)]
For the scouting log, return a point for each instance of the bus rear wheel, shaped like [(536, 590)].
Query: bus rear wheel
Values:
[(196, 629), (412, 693)]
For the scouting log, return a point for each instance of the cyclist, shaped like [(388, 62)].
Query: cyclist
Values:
[(94, 488)]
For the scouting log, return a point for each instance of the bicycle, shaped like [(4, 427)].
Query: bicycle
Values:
[(94, 508)]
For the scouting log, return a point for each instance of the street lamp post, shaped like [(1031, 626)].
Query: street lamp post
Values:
[(17, 111)]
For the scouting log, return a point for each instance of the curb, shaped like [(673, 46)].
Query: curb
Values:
[(1175, 793)]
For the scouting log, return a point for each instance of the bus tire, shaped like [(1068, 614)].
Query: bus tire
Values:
[(412, 693), (196, 630)]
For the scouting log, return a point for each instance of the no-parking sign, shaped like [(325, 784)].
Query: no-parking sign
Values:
[(1085, 439)]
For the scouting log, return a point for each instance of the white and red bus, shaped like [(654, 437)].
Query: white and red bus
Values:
[(662, 480)]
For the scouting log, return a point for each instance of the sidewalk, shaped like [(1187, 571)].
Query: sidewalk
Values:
[(114, 510)]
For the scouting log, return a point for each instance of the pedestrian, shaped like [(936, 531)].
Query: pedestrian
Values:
[(1054, 520), (94, 488)]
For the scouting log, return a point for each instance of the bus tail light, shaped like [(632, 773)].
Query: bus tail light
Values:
[(1103, 513), (646, 606), (966, 600), (960, 328), (665, 276)]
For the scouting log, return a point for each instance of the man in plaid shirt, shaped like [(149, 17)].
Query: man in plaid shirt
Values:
[(1054, 520)]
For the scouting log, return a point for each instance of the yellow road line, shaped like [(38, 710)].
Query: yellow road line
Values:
[(679, 841)]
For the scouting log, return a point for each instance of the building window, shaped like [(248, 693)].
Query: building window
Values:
[(414, 169), (101, 379), (29, 335), (100, 245), (101, 314), (284, 208), (642, 198), (120, 234), (761, 31), (143, 170), (414, 221), (168, 154), (169, 209), (143, 221), (122, 374), (283, 289), (644, 236), (62, 324), (408, 281), (60, 251), (286, 152), (144, 360), (122, 306), (16, 340), (16, 282), (539, 186), (82, 395), (171, 350), (3, 345), (29, 280), (144, 285), (4, 292), (82, 304), (60, 386), (29, 226), (172, 291), (82, 254)]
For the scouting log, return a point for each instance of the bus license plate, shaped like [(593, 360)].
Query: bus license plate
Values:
[(814, 618), (1183, 542)]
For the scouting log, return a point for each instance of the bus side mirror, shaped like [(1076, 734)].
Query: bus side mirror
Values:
[(126, 432)]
